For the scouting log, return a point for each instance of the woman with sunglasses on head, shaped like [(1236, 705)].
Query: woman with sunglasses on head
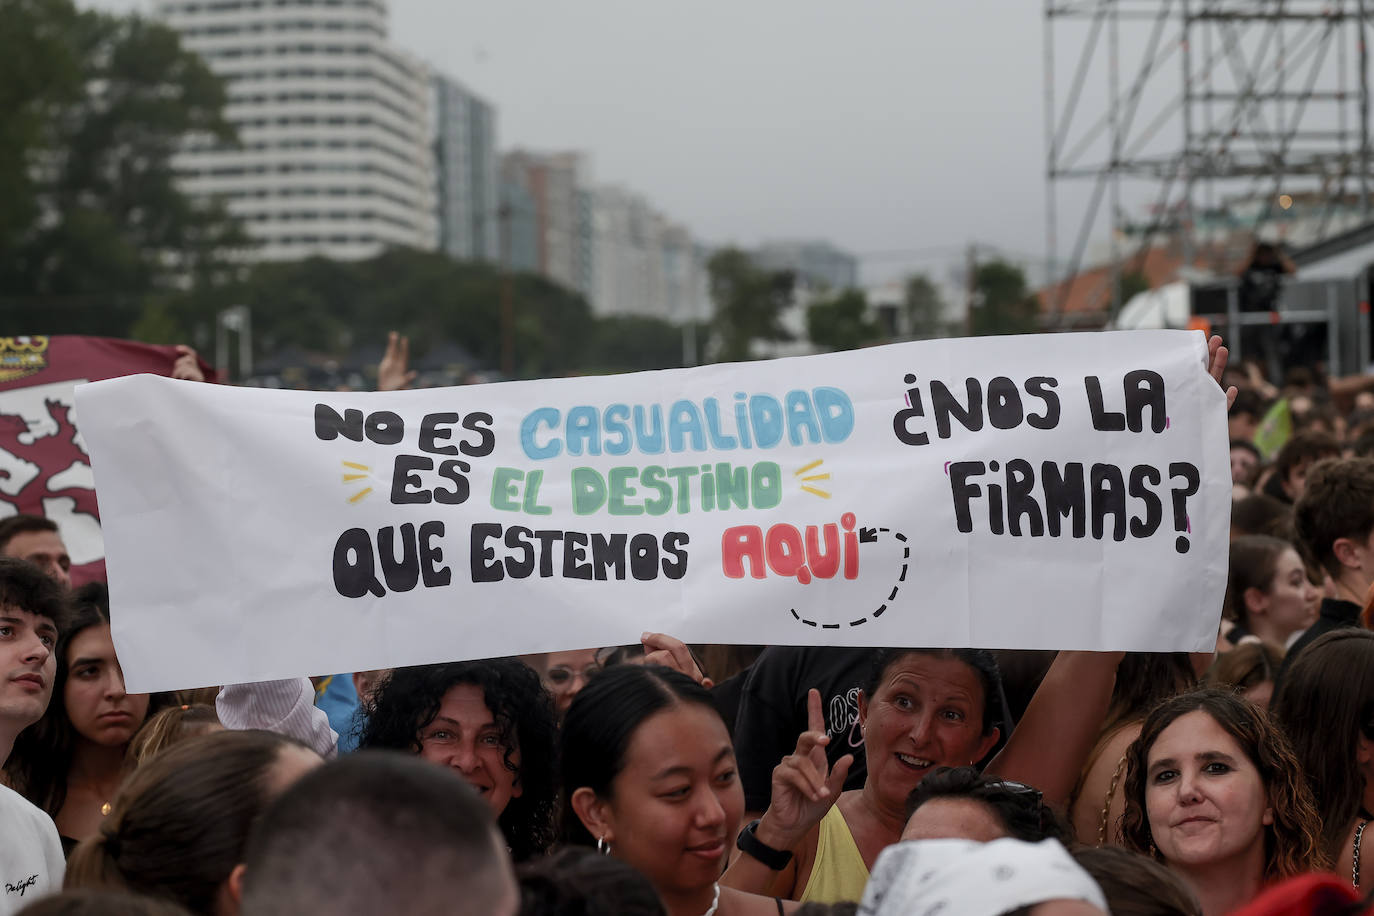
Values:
[(959, 803), (1214, 791), (649, 777)]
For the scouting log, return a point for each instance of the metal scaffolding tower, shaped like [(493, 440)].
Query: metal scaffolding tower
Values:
[(1170, 111)]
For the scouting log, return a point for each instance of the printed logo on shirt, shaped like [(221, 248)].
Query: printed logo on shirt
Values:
[(22, 886), (843, 717)]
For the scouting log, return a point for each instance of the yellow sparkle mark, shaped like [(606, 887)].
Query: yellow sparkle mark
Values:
[(349, 478), (817, 477), (821, 493), (802, 470)]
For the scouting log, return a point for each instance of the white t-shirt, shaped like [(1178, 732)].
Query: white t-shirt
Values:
[(31, 861)]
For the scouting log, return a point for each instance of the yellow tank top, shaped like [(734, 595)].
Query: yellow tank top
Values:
[(839, 874)]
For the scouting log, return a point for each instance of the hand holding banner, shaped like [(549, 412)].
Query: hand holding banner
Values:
[(1066, 491)]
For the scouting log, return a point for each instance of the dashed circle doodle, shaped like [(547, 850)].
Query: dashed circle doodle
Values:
[(870, 535)]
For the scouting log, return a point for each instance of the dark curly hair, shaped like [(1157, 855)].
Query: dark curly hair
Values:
[(1292, 845), (1020, 809), (409, 699), (42, 757)]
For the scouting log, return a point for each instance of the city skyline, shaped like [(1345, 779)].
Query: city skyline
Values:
[(773, 120)]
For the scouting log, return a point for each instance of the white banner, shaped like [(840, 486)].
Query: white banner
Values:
[(1053, 491)]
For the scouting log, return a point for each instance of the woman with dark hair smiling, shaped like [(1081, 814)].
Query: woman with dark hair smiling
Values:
[(649, 777), (921, 709), (1214, 792), (490, 720)]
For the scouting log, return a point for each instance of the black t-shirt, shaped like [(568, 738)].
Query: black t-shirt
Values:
[(772, 712), (1336, 614)]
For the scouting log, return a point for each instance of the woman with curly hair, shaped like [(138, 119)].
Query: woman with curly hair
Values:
[(490, 720), (1214, 791)]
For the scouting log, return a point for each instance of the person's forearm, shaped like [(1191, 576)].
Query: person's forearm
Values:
[(1054, 738), (747, 873)]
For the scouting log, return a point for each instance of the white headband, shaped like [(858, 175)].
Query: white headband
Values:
[(929, 877)]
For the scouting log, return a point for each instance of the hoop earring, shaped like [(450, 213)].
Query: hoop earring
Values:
[(602, 846)]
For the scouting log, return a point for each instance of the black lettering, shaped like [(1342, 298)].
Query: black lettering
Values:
[(1042, 387), (644, 557), (946, 405), (1064, 496), (673, 542), (483, 569), (479, 423), (402, 480), (1109, 498), (1104, 420), (431, 431), (404, 574), (385, 428), (1020, 502), (431, 556), (454, 471), (1145, 389), (329, 425), (902, 419), (608, 552), (963, 491), (546, 541), (354, 575), (575, 565), (518, 538), (1004, 404), (1142, 483)]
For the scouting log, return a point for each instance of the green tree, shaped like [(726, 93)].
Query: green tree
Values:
[(328, 306), (1001, 303), (748, 303), (629, 343), (842, 322), (102, 226), (925, 308)]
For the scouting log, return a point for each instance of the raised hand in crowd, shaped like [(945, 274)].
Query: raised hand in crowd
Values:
[(1217, 357), (187, 365), (394, 372), (662, 649), (805, 785)]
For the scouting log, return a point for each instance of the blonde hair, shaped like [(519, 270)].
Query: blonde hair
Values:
[(169, 727)]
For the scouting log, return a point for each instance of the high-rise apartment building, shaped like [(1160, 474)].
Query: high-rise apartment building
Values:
[(468, 172), (644, 264), (556, 184), (336, 126)]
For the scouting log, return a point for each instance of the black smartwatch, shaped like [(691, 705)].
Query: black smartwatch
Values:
[(749, 844)]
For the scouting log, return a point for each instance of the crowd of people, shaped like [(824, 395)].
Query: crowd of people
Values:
[(679, 780)]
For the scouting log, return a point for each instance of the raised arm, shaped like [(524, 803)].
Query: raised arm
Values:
[(1052, 741), (805, 787)]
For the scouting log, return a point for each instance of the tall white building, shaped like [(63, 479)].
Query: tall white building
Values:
[(644, 264), (336, 126), (469, 173), (556, 184)]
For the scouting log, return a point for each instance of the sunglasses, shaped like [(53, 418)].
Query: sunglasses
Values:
[(562, 675)]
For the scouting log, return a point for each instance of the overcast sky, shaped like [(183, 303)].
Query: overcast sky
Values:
[(882, 125)]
